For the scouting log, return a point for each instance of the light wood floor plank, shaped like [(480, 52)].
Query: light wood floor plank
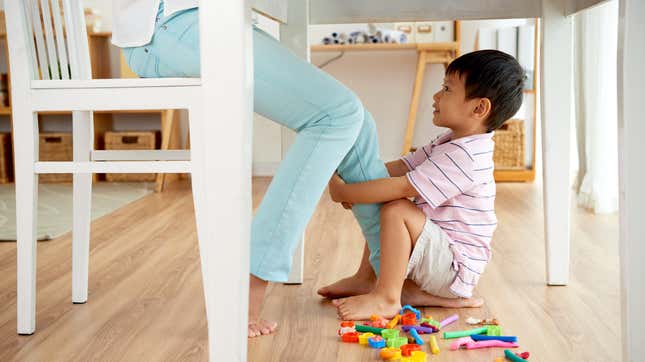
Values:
[(146, 300)]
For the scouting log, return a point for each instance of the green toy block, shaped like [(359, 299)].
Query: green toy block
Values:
[(470, 332), (390, 333), (494, 330), (364, 329), (397, 342)]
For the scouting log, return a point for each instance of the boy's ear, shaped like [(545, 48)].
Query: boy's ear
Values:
[(482, 108)]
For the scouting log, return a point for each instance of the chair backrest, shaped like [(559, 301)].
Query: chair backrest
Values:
[(50, 37)]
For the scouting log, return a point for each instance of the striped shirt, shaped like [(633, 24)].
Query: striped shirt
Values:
[(454, 179)]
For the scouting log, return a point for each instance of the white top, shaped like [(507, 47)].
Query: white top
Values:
[(134, 20)]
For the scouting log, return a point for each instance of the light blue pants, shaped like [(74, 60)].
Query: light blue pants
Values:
[(334, 131)]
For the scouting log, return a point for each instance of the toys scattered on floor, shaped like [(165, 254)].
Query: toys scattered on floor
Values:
[(393, 345)]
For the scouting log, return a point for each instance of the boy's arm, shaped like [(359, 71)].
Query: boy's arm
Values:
[(396, 168), (370, 192)]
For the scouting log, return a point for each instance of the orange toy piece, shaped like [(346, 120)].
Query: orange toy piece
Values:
[(407, 349), (409, 319), (378, 321), (351, 337), (390, 353), (393, 322)]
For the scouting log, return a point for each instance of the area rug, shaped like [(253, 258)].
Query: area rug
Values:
[(55, 205)]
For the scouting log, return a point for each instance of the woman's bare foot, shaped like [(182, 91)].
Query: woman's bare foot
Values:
[(257, 326), (355, 285), (413, 295), (361, 307)]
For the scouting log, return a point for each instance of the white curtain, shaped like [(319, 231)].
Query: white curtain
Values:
[(596, 34)]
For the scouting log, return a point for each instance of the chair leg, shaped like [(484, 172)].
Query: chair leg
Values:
[(26, 151), (82, 200), (167, 123), (223, 217)]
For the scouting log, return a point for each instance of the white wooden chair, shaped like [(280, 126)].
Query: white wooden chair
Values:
[(50, 68)]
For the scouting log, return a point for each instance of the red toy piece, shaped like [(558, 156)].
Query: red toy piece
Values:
[(351, 337), (523, 355), (409, 319), (407, 349)]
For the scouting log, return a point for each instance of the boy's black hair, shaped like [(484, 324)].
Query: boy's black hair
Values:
[(494, 75)]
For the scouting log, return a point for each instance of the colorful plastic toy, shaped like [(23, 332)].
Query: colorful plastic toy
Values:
[(363, 338), (351, 337), (376, 342), (346, 327), (490, 344), (511, 356), (419, 356), (408, 307), (475, 321), (493, 330), (419, 329), (409, 319), (393, 322), (455, 345), (524, 355), (430, 322), (390, 353), (415, 335), (390, 333), (470, 332), (482, 337), (378, 321), (452, 319), (434, 346), (407, 349), (397, 342), (360, 328)]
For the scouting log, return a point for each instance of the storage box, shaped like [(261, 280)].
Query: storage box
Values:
[(509, 145), (55, 147), (6, 159), (146, 140), (409, 29), (424, 32)]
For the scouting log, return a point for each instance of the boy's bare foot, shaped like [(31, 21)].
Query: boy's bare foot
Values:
[(257, 326), (413, 295), (361, 307), (347, 287)]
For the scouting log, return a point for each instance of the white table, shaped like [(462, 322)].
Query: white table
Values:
[(557, 101)]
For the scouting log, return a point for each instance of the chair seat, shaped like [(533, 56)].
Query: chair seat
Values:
[(115, 83)]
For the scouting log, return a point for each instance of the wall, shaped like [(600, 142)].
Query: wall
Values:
[(382, 80)]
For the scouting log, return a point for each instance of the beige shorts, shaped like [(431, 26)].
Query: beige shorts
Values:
[(430, 265)]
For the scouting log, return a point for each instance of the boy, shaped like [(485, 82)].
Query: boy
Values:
[(441, 240)]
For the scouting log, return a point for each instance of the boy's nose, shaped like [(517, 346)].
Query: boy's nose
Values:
[(436, 96)]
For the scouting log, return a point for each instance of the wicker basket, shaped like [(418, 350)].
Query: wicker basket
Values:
[(55, 147), (509, 145), (6, 160), (130, 141)]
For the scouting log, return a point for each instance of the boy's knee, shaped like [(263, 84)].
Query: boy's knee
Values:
[(393, 209)]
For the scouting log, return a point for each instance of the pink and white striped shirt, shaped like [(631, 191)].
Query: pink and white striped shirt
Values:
[(455, 181)]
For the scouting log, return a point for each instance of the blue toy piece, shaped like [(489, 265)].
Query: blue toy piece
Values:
[(417, 338), (411, 309), (376, 342), (482, 337)]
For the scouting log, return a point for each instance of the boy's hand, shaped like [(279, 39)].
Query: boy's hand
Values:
[(336, 186)]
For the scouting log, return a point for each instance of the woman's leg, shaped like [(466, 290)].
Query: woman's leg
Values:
[(324, 113)]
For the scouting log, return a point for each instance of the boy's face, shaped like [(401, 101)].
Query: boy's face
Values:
[(451, 109)]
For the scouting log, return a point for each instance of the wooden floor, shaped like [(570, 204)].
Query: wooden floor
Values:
[(145, 301)]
